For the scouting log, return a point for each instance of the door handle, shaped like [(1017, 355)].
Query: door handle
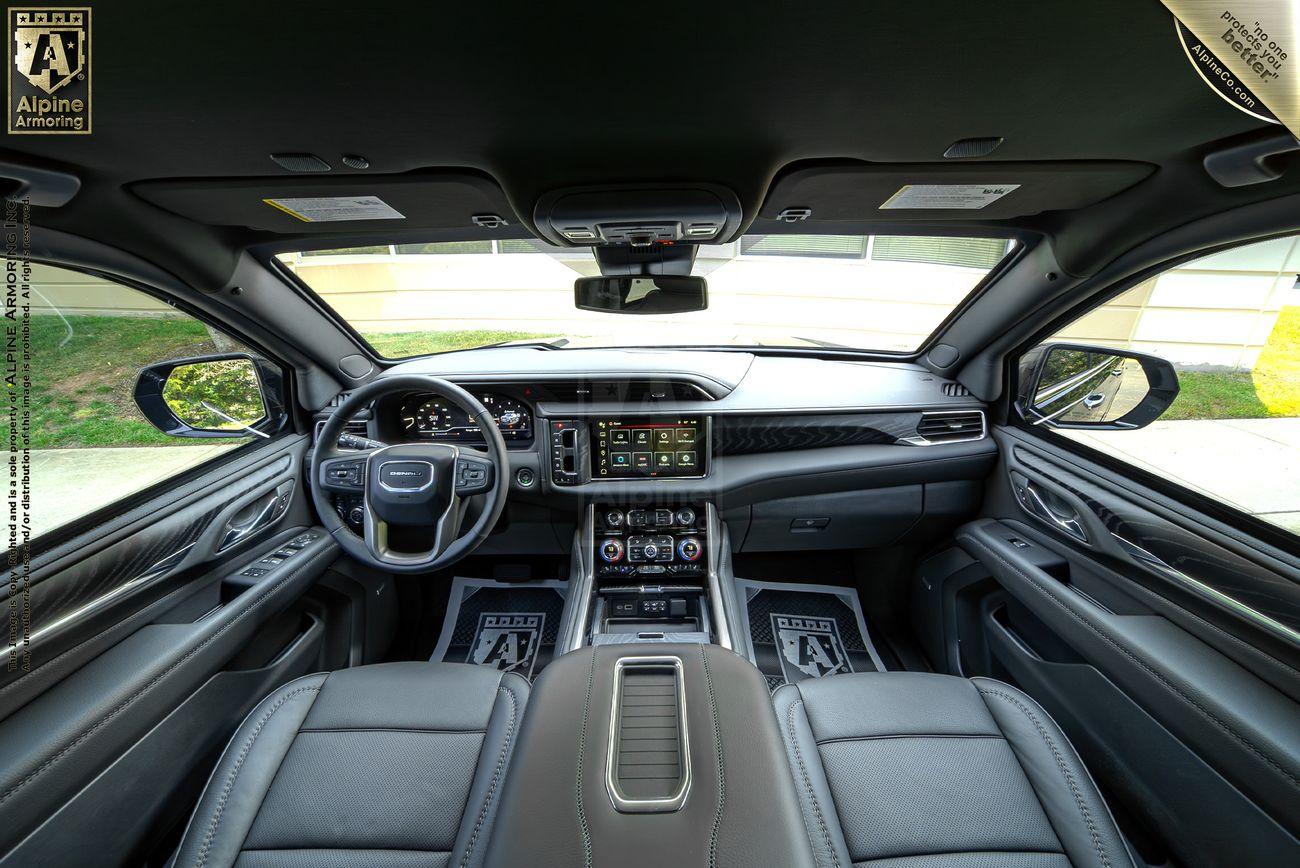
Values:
[(1044, 506), (239, 530)]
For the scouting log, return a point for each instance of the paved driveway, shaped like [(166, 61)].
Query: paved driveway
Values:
[(68, 483), (1252, 464)]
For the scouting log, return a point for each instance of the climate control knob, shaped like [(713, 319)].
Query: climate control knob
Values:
[(650, 550), (611, 551), (689, 548)]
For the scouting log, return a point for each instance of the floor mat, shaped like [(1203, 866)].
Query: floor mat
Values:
[(509, 626), (805, 631)]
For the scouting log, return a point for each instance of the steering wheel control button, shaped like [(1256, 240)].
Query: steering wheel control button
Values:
[(472, 476), (611, 550), (689, 548), (406, 475)]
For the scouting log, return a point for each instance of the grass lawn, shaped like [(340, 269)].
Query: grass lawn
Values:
[(81, 383), (1271, 389), (398, 345)]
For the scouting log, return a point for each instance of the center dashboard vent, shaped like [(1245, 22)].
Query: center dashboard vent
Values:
[(623, 391), (948, 426)]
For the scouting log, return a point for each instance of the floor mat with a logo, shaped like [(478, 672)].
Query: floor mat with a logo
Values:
[(509, 626), (805, 631)]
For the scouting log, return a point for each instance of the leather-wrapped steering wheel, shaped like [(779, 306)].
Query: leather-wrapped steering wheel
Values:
[(413, 485)]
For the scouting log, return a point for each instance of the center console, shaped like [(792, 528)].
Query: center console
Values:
[(651, 574)]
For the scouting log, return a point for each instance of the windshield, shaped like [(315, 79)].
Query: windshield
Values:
[(858, 292)]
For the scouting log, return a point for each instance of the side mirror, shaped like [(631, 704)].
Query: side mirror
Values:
[(641, 295), (213, 396), (1095, 388)]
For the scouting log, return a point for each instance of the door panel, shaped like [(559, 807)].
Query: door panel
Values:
[(135, 621), (1145, 606)]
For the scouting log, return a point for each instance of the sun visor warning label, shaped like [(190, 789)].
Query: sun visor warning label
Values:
[(331, 209), (946, 197)]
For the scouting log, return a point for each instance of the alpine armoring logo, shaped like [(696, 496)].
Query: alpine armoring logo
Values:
[(49, 79)]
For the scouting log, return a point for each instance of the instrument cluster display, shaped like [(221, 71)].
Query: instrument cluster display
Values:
[(432, 418)]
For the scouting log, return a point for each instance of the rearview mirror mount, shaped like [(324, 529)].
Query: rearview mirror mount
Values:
[(642, 294)]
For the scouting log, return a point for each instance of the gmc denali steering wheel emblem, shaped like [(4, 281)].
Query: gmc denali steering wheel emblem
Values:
[(406, 475)]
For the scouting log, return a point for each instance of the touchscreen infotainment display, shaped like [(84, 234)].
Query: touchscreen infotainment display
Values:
[(647, 448)]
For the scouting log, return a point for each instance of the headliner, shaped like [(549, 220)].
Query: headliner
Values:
[(540, 100)]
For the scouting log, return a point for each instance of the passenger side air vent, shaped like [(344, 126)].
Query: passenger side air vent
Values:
[(948, 426), (956, 390)]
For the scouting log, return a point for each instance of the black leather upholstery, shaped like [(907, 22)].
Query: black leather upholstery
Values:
[(741, 810), (394, 765), (931, 771)]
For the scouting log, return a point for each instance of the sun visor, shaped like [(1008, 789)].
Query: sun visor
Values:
[(394, 203), (901, 192)]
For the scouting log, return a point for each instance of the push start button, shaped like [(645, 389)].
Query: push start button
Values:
[(406, 475)]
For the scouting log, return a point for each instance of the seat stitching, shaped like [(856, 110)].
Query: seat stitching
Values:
[(717, 746), (1204, 712), (582, 749), (239, 763), (496, 773), (1060, 763), (103, 721), (807, 782)]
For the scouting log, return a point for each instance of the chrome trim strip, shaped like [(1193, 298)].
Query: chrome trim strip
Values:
[(1213, 595), (678, 798), (159, 570), (713, 535), (582, 595)]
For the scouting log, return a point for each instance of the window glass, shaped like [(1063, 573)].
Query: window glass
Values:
[(842, 292), (1230, 324), (90, 444)]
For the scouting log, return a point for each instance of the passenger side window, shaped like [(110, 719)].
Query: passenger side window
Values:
[(91, 445), (1230, 325)]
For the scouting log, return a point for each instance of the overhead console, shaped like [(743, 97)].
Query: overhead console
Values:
[(639, 215)]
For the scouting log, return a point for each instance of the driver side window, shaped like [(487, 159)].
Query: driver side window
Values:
[(90, 444), (1230, 325)]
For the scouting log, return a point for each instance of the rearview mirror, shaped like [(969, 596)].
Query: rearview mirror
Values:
[(214, 396), (1098, 388), (648, 294)]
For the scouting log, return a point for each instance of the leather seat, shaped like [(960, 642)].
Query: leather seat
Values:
[(909, 770), (391, 766)]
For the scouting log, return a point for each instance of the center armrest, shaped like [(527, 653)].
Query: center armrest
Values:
[(641, 755)]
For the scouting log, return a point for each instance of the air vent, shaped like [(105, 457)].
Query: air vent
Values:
[(353, 426), (645, 392), (956, 390), (948, 427)]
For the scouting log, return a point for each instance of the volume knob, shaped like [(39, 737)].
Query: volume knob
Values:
[(689, 548), (611, 550)]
